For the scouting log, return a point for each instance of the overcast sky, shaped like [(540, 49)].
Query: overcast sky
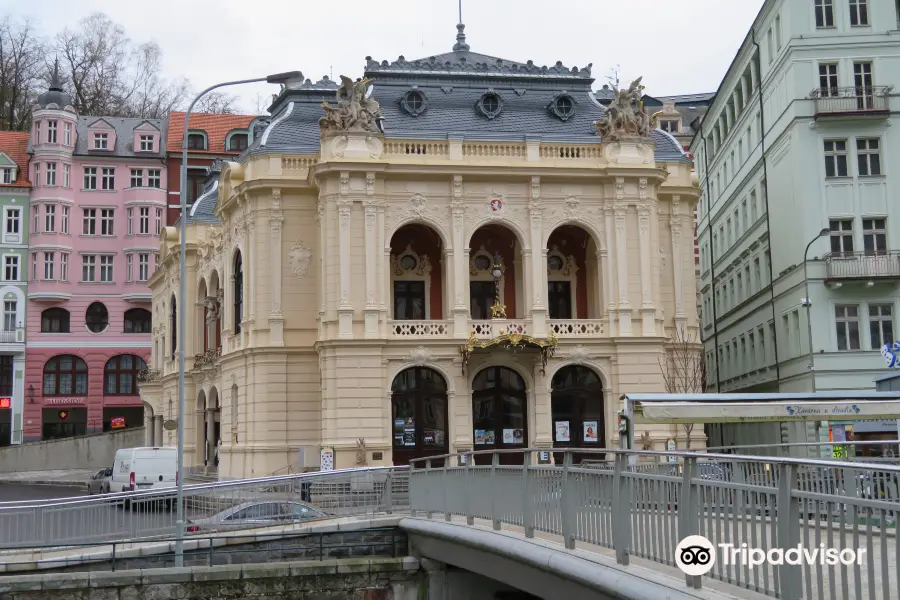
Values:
[(679, 46)]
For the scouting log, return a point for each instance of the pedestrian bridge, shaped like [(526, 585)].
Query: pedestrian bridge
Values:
[(604, 528)]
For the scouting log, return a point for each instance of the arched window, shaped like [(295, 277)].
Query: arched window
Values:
[(120, 375), (138, 320), (238, 291), (419, 408), (577, 411), (97, 317), (499, 414), (55, 320), (173, 325), (196, 141), (65, 375)]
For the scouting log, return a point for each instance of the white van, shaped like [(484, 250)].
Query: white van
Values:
[(136, 469)]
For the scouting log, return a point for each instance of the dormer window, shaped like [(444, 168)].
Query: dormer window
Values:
[(563, 106), (670, 125), (414, 102), (196, 141), (146, 143), (490, 104), (101, 141), (7, 175), (238, 142)]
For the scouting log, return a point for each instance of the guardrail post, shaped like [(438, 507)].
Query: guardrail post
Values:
[(389, 493), (621, 511), (428, 486), (689, 511), (528, 504), (495, 487), (445, 481), (470, 489), (567, 503), (787, 528)]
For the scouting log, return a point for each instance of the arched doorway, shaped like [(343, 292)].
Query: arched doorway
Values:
[(419, 415), (576, 401), (499, 413)]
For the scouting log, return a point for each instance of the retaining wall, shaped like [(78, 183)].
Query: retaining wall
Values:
[(93, 451)]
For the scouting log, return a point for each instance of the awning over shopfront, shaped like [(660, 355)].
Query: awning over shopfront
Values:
[(513, 342)]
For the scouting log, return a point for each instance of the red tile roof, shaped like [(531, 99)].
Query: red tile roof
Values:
[(15, 145), (215, 126)]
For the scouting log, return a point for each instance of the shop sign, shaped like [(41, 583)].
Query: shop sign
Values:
[(170, 425), (63, 415), (5, 402), (63, 401), (891, 354), (117, 423)]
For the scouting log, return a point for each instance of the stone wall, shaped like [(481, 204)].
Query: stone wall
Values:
[(351, 579), (94, 451)]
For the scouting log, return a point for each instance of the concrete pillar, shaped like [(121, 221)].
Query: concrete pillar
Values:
[(158, 431)]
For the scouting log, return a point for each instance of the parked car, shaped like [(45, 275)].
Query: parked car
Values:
[(99, 483), (256, 514)]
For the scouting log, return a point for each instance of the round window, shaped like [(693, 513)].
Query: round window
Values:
[(482, 262), (491, 104), (555, 263), (97, 318), (415, 101), (408, 262), (564, 106)]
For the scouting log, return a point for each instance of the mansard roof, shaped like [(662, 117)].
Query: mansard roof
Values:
[(124, 128), (203, 210)]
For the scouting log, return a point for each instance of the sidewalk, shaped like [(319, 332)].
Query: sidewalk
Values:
[(61, 477)]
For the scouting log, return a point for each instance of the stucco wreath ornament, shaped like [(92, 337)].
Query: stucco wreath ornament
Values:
[(300, 257)]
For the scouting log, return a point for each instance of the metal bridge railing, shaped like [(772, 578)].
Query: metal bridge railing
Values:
[(641, 504), (151, 514)]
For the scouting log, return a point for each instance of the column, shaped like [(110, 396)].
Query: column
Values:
[(210, 438), (371, 310), (276, 318), (460, 271), (608, 267), (622, 260), (158, 430), (538, 262), (345, 306), (675, 221), (648, 313)]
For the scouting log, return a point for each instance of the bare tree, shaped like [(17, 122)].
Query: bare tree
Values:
[(217, 103), (21, 62), (684, 369)]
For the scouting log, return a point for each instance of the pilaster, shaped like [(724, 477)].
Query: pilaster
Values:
[(621, 213), (676, 224), (648, 312), (538, 261), (276, 318), (371, 310), (459, 273), (345, 306), (608, 267)]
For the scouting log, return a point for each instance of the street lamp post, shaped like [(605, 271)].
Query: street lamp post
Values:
[(179, 519), (808, 303)]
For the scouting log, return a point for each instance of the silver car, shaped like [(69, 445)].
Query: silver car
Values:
[(256, 514), (99, 482)]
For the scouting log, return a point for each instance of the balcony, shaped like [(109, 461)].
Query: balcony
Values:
[(494, 328), (16, 336), (572, 328), (852, 102), (419, 329), (136, 195), (862, 266)]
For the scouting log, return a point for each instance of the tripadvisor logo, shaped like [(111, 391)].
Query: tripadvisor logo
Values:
[(695, 555)]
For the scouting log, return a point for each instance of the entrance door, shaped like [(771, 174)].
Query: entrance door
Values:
[(577, 410), (63, 422), (499, 417), (419, 416), (5, 426)]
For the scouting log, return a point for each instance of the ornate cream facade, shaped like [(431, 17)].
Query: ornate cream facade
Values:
[(325, 272)]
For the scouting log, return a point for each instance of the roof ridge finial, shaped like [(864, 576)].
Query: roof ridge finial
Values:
[(54, 80), (460, 45)]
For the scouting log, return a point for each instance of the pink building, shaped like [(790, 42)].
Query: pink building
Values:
[(96, 210)]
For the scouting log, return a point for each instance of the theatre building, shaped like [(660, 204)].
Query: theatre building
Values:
[(450, 258)]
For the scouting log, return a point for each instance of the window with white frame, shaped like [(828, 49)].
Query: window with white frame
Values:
[(6, 175), (841, 236), (875, 236), (106, 269), (36, 218), (881, 325), (37, 174), (109, 178), (137, 178), (49, 261), (63, 266), (107, 220), (835, 158), (129, 265), (129, 214), (868, 157), (13, 217), (50, 218), (9, 315), (88, 267), (828, 80), (51, 132), (34, 266), (89, 222), (67, 134), (51, 174), (158, 221), (824, 10), (154, 178), (11, 267), (146, 143), (67, 172), (101, 141), (859, 13), (90, 178), (144, 220), (65, 220), (670, 125), (846, 319)]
